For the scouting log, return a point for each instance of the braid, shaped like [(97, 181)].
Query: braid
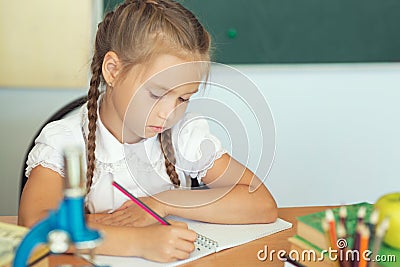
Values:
[(93, 95), (101, 48), (168, 151)]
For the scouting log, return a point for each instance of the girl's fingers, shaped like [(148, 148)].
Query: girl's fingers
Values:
[(185, 246), (126, 218), (180, 255), (122, 216), (179, 224), (188, 235), (125, 205), (111, 217)]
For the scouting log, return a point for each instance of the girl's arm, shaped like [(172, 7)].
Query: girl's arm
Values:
[(230, 199), (44, 191), (233, 197)]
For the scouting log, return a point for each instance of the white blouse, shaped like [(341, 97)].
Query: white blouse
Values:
[(139, 167)]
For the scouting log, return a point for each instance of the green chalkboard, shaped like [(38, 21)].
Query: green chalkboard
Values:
[(110, 4), (300, 31)]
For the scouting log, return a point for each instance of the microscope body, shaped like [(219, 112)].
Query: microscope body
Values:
[(65, 226)]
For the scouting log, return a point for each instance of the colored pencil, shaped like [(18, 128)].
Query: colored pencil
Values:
[(332, 227), (379, 235), (140, 203), (343, 217), (325, 227), (330, 220), (361, 214), (342, 246), (356, 243), (364, 241), (341, 233), (373, 220), (360, 222)]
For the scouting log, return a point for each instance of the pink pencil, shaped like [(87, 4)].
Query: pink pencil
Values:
[(140, 204)]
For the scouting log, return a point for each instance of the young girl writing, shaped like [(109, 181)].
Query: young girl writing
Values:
[(149, 57)]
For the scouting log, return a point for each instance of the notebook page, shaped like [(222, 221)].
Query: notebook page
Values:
[(228, 235)]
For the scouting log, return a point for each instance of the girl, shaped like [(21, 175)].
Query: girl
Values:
[(149, 56)]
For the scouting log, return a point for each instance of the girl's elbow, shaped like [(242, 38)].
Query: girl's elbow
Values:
[(30, 219), (269, 213), (26, 222), (272, 213)]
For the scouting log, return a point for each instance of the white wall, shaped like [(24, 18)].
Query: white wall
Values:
[(337, 126), (337, 131)]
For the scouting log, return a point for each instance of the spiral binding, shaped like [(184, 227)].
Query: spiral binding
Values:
[(206, 242)]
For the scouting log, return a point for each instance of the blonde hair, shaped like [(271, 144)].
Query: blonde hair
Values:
[(136, 31)]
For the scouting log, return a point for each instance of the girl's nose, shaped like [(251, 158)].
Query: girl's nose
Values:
[(166, 108)]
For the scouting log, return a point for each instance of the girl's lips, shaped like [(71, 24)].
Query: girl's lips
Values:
[(156, 129)]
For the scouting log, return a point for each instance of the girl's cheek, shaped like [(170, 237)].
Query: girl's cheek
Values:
[(178, 115)]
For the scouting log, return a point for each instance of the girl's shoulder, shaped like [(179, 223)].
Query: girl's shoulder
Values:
[(65, 131), (192, 132), (196, 148), (191, 123)]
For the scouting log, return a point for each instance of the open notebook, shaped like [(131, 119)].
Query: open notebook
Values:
[(216, 237)]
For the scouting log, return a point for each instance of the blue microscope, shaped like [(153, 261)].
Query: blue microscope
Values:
[(66, 226)]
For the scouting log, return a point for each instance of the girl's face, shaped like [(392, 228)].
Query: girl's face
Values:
[(152, 101)]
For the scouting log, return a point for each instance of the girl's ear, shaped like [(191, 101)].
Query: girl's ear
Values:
[(111, 67)]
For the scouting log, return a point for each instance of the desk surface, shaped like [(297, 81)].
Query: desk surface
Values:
[(244, 255)]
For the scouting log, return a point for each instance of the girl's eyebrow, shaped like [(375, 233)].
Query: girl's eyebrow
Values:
[(161, 87)]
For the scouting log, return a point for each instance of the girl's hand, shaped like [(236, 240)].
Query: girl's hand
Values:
[(129, 214), (166, 243)]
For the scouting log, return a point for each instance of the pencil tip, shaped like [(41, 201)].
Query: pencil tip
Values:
[(382, 227), (361, 212), (342, 212), (374, 217), (329, 215)]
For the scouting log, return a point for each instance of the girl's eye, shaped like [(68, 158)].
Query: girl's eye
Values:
[(181, 99), (154, 96)]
